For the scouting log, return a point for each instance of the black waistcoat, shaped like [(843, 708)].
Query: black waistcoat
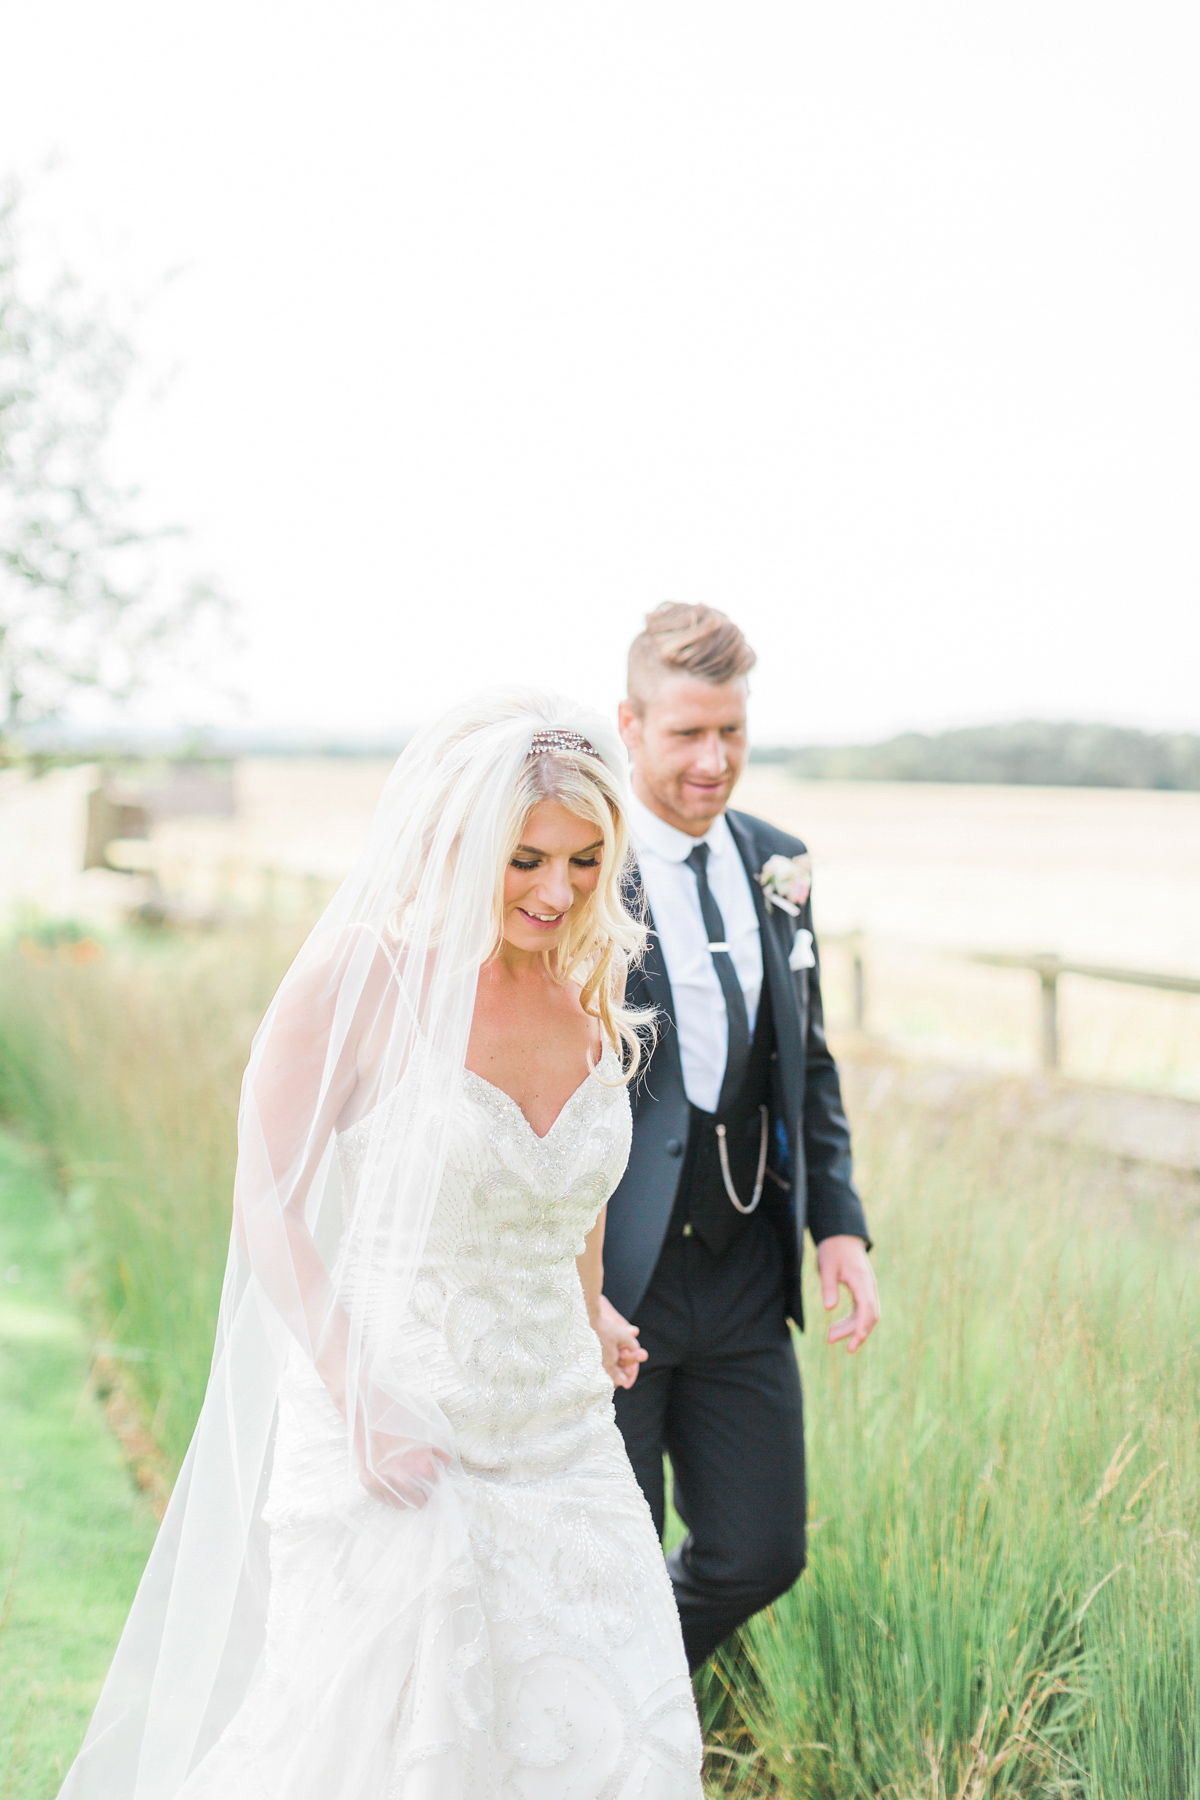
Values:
[(702, 1201)]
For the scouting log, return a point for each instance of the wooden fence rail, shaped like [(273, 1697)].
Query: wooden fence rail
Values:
[(1047, 966)]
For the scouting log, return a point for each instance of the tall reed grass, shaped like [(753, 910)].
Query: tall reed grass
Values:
[(125, 1063), (1002, 1594), (1002, 1591)]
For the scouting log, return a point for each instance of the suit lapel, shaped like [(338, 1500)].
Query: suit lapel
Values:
[(785, 1009)]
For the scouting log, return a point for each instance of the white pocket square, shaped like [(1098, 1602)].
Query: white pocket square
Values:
[(802, 951)]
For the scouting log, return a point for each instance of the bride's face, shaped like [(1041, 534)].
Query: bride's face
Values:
[(553, 870)]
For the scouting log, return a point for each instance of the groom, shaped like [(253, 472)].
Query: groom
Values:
[(739, 1142)]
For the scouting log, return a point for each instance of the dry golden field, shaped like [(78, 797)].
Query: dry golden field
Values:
[(929, 872)]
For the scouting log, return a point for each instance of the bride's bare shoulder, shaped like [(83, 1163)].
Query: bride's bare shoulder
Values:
[(345, 966)]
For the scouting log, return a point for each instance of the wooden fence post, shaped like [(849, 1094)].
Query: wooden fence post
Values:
[(1049, 969), (860, 986)]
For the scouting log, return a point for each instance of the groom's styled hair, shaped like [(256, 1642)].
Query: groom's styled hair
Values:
[(686, 640)]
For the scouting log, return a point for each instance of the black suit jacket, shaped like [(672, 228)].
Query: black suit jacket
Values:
[(810, 1139)]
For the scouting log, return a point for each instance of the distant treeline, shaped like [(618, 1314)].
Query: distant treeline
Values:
[(1032, 753)]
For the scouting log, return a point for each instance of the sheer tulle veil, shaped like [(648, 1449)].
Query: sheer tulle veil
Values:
[(370, 1024)]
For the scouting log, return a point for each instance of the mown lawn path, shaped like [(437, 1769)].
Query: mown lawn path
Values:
[(74, 1531)]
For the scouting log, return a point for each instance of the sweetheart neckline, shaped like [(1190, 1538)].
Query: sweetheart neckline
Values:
[(538, 1137), (491, 1087)]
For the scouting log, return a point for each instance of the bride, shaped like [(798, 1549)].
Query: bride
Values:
[(407, 1558)]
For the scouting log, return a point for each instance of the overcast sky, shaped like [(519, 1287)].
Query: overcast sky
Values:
[(491, 326)]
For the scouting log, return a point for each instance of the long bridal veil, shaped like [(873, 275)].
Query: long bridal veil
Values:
[(369, 1026)]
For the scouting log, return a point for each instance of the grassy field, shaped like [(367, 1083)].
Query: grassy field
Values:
[(74, 1532), (1002, 1591)]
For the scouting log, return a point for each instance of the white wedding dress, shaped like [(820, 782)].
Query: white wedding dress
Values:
[(545, 1662)]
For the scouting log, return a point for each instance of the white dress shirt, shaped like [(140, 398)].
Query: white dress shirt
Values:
[(674, 898)]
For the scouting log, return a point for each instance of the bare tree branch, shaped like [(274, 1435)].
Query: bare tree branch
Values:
[(82, 604)]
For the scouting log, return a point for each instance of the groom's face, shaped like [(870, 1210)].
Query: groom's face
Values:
[(687, 742)]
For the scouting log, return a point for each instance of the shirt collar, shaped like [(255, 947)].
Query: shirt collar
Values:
[(650, 833)]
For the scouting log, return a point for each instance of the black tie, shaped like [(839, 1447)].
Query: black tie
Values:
[(737, 1055)]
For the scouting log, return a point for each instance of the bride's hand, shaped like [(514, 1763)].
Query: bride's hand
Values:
[(618, 1344), (399, 1470), (395, 1462)]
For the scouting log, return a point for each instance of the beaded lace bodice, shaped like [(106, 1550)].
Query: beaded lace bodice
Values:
[(497, 1319)]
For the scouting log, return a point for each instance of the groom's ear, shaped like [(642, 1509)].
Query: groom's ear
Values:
[(629, 724)]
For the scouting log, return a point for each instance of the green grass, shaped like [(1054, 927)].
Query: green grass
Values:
[(74, 1533), (1002, 1591)]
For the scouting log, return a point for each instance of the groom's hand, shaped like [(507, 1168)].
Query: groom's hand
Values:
[(842, 1263), (618, 1342)]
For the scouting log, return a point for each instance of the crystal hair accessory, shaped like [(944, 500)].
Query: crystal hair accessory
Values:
[(546, 742)]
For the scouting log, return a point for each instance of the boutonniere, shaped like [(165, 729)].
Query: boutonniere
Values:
[(785, 882)]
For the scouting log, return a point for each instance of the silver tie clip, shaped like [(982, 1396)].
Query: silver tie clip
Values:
[(718, 946)]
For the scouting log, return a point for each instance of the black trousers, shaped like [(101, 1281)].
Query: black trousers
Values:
[(720, 1394)]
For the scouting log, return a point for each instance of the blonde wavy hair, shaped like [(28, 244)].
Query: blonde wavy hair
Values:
[(604, 939)]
